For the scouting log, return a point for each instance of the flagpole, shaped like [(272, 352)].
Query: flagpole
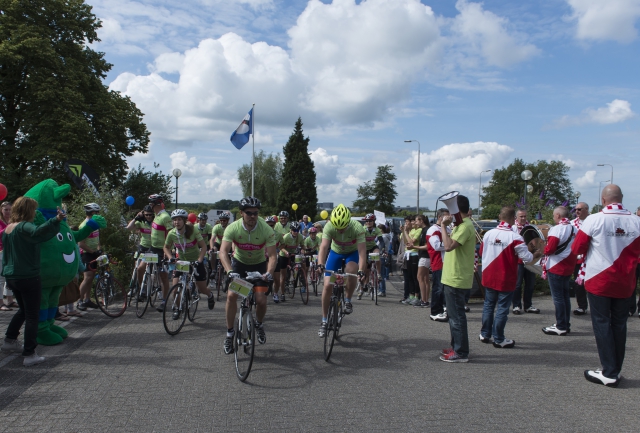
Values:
[(253, 143)]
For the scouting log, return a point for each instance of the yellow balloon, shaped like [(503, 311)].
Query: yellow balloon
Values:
[(294, 206), (324, 214)]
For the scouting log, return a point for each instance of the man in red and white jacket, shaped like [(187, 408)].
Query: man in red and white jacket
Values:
[(525, 276), (610, 241), (559, 267), (501, 250), (435, 247), (582, 212)]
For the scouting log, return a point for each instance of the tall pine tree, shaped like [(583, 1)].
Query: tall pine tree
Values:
[(298, 176)]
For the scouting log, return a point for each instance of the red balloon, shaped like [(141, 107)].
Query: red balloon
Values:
[(192, 218), (3, 192)]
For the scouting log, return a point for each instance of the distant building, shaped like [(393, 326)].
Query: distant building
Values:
[(214, 213), (325, 206)]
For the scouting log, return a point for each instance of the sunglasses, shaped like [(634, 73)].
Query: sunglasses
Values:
[(581, 208), (251, 213), (148, 214)]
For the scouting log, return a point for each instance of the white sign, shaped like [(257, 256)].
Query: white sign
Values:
[(380, 219)]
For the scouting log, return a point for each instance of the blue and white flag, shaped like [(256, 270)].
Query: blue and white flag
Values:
[(240, 136)]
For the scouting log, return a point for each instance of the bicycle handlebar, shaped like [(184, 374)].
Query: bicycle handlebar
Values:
[(343, 274)]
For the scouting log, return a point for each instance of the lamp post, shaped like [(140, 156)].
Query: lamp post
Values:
[(602, 165), (418, 188), (177, 173), (480, 188), (599, 201), (577, 195), (526, 175)]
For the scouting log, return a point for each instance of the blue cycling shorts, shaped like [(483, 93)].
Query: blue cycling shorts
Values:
[(334, 261)]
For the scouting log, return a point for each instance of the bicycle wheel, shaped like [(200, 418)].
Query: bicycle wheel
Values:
[(111, 296), (193, 299), (294, 282), (313, 280), (218, 283), (304, 287), (156, 289), (142, 296), (374, 286), (244, 343), (175, 310), (332, 327)]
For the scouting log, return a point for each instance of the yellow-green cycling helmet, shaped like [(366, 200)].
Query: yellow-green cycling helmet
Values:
[(340, 216)]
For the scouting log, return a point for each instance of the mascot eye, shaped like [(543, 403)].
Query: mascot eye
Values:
[(70, 237), (60, 237)]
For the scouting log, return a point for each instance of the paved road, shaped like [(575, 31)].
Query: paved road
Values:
[(127, 375)]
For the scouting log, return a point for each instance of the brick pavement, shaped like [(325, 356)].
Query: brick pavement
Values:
[(127, 374)]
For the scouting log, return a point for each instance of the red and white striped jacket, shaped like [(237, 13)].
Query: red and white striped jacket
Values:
[(435, 247), (501, 249), (564, 263), (577, 222), (610, 241), (517, 228)]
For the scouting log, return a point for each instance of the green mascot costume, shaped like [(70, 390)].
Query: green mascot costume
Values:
[(58, 258)]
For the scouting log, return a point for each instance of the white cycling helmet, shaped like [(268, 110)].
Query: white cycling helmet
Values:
[(92, 207), (179, 213)]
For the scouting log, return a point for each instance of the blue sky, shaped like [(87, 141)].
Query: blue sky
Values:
[(477, 83)]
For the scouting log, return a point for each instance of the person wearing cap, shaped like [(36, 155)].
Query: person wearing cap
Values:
[(90, 248), (159, 228)]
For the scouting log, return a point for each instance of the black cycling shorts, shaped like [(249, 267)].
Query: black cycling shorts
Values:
[(202, 273), (283, 262), (160, 253), (242, 269), (87, 258), (142, 249)]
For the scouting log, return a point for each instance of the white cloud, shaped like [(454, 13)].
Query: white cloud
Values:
[(616, 111), (459, 161), (606, 19), (326, 166), (589, 179), (487, 34), (191, 167)]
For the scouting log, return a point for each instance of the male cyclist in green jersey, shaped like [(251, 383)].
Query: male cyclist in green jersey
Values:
[(159, 228), (310, 246), (142, 224), (204, 228), (188, 243), (271, 222), (283, 226), (251, 237), (346, 239), (288, 247), (371, 234), (216, 238), (90, 252)]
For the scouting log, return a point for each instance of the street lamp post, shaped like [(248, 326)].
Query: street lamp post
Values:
[(418, 188), (577, 195), (602, 165), (526, 175), (599, 201), (480, 188), (177, 173)]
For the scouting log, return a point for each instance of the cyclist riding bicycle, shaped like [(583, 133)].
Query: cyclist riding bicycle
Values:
[(90, 248), (216, 237), (204, 228), (251, 237), (346, 239), (190, 247), (310, 246), (141, 223), (271, 222), (288, 247), (371, 234), (283, 226), (159, 228)]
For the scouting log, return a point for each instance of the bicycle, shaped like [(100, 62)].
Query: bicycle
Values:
[(374, 278), (244, 339), (182, 300), (221, 278), (313, 273), (109, 293), (298, 277), (336, 310), (148, 292)]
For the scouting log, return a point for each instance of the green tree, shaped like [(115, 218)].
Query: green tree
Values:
[(384, 190), (365, 200), (550, 183), (225, 204), (140, 184), (298, 175), (267, 182), (53, 103)]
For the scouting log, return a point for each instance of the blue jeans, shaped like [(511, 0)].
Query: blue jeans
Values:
[(495, 327), (609, 319), (559, 286), (437, 293), (529, 279), (384, 269), (457, 320)]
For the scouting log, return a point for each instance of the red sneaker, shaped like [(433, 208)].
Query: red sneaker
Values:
[(453, 357), (446, 351)]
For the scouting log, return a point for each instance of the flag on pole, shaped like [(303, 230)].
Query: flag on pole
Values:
[(240, 136)]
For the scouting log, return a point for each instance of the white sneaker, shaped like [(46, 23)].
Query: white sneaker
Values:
[(506, 344), (517, 310), (33, 359), (442, 317), (552, 330), (11, 346), (596, 376)]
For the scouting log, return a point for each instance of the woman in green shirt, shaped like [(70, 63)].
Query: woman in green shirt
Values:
[(21, 269)]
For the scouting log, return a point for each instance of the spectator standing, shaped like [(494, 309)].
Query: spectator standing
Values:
[(8, 304), (525, 276), (412, 239), (610, 241), (90, 252), (457, 279), (384, 241), (424, 261), (21, 269), (436, 253), (582, 212), (306, 224)]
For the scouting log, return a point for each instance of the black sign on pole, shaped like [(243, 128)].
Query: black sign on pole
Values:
[(82, 175)]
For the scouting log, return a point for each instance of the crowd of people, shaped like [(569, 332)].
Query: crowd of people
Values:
[(595, 255)]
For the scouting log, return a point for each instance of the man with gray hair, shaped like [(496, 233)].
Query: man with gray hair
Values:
[(582, 212), (559, 266)]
